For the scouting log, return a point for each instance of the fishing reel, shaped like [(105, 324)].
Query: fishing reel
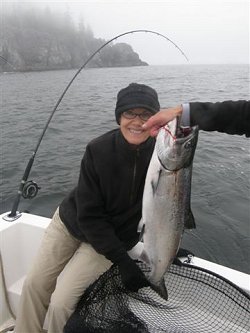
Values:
[(30, 189)]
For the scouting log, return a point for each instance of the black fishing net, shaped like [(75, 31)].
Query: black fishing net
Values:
[(199, 301)]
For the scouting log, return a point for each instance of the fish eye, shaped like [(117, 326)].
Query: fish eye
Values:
[(189, 144)]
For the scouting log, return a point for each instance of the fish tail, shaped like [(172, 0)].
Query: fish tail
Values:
[(160, 289)]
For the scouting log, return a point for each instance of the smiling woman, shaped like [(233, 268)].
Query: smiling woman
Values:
[(135, 105), (136, 96), (131, 128), (97, 220)]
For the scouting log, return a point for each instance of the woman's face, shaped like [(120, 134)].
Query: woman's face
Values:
[(132, 128)]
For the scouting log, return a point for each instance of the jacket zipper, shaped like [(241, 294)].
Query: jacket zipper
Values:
[(134, 176)]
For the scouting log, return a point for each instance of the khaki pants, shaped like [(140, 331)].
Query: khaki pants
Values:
[(81, 265)]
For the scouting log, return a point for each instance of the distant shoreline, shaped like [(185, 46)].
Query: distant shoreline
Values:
[(63, 69), (125, 66)]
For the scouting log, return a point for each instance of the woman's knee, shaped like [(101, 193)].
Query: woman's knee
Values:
[(62, 303), (36, 283)]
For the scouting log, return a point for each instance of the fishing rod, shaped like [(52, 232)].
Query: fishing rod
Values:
[(29, 189)]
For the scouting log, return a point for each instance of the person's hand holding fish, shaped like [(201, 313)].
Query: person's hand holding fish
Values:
[(161, 118)]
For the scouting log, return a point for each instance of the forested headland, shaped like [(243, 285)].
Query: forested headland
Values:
[(35, 39)]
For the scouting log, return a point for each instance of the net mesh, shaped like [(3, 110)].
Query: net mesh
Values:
[(199, 301)]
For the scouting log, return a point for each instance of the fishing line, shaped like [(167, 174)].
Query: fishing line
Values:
[(8, 63), (12, 66), (170, 133), (14, 214)]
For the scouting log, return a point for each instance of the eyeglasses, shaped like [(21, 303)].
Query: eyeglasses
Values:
[(129, 114)]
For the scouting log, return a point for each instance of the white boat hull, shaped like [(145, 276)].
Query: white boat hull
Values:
[(19, 243)]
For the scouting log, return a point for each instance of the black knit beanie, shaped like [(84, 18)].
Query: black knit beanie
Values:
[(136, 96)]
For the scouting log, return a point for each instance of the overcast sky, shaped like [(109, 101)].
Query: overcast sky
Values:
[(208, 31)]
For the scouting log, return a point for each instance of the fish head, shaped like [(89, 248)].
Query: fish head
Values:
[(175, 145)]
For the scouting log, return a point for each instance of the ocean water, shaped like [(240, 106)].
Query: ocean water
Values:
[(221, 172)]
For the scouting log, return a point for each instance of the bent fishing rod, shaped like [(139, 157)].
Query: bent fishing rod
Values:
[(29, 189)]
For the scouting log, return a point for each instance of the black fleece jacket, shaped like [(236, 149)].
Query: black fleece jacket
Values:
[(105, 207), (231, 117)]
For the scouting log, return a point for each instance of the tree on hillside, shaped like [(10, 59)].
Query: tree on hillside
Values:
[(38, 40)]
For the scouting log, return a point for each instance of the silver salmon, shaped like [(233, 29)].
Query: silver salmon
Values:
[(166, 200)]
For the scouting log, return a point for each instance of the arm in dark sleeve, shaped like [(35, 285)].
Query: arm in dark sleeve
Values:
[(91, 217), (232, 117)]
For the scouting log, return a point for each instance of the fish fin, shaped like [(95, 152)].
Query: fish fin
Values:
[(136, 251), (141, 229), (140, 225), (155, 181), (144, 257), (142, 233), (189, 221), (161, 289)]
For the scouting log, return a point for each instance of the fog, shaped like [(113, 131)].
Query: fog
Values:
[(208, 31)]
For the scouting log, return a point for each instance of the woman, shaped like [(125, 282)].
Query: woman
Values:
[(96, 224)]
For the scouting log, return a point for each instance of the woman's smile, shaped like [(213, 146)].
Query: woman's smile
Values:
[(132, 128)]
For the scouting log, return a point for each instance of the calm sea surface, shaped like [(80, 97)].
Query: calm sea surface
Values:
[(221, 173)]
